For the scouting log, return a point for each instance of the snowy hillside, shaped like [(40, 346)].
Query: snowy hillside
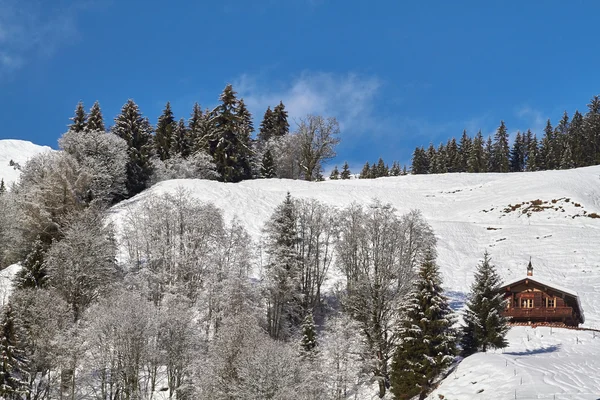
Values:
[(547, 216), (19, 151)]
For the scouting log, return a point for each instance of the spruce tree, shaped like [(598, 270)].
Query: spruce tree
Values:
[(308, 342), (577, 139), (431, 153), (381, 170), (395, 170), (476, 161), (566, 161), (345, 171), (163, 137), (488, 156), (33, 272), (440, 161), (195, 127), (79, 119), (137, 132), (281, 127), (366, 171), (548, 157), (267, 128), (267, 169), (531, 163), (335, 173), (517, 154), (95, 120), (229, 141), (464, 151), (485, 326), (453, 158), (2, 186), (404, 170), (420, 162), (427, 340), (501, 152), (14, 374), (182, 140), (591, 126)]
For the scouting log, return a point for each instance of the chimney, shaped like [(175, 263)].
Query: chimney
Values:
[(529, 268)]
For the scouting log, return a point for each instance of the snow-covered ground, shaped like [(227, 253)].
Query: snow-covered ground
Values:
[(471, 213), (18, 151)]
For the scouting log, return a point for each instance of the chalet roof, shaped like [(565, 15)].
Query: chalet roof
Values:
[(552, 285)]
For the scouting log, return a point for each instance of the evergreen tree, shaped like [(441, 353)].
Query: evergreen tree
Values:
[(281, 127), (345, 171), (420, 162), (440, 161), (79, 119), (548, 157), (366, 171), (267, 169), (14, 375), (309, 336), (163, 137), (267, 128), (182, 140), (431, 153), (453, 158), (517, 154), (95, 120), (404, 171), (2, 186), (395, 170), (196, 125), (464, 151), (485, 326), (137, 132), (33, 272), (531, 163), (577, 140), (566, 161), (335, 174), (229, 141), (427, 340), (476, 162), (592, 132), (381, 170), (282, 271), (488, 156), (501, 153)]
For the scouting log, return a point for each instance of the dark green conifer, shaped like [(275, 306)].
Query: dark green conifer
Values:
[(464, 151), (335, 173), (500, 150), (485, 326), (395, 170), (182, 140), (517, 154), (366, 171), (267, 169), (95, 120), (267, 128), (281, 127), (345, 171), (427, 339), (2, 187), (477, 160), (79, 119), (163, 137)]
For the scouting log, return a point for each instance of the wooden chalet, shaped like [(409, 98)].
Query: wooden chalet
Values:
[(533, 301)]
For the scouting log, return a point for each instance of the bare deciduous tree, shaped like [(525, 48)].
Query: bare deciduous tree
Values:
[(318, 137)]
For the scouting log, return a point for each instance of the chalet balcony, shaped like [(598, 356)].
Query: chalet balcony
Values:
[(539, 313)]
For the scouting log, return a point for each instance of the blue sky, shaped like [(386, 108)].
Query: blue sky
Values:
[(396, 74)]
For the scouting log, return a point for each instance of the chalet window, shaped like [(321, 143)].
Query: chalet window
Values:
[(526, 303), (550, 302)]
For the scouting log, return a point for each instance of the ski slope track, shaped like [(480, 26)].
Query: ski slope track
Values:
[(471, 213), (19, 151)]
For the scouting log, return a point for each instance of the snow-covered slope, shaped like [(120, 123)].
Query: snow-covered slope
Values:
[(542, 215), (19, 151)]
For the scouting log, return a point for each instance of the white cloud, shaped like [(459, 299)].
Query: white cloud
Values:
[(534, 119), (349, 97), (33, 28)]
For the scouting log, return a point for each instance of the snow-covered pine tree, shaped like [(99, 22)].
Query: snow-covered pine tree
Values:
[(366, 171), (475, 162), (95, 120), (395, 170), (464, 151), (281, 274), (548, 157), (182, 140), (427, 340), (345, 174), (265, 132), (517, 154), (2, 186), (163, 137), (591, 126), (335, 173), (14, 375), (381, 170), (531, 162), (500, 150), (33, 271), (281, 127), (577, 139), (486, 327), (137, 132), (453, 158), (79, 119), (488, 156), (267, 169), (308, 343), (566, 161)]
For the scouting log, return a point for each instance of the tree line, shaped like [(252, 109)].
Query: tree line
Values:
[(213, 144), (574, 142)]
